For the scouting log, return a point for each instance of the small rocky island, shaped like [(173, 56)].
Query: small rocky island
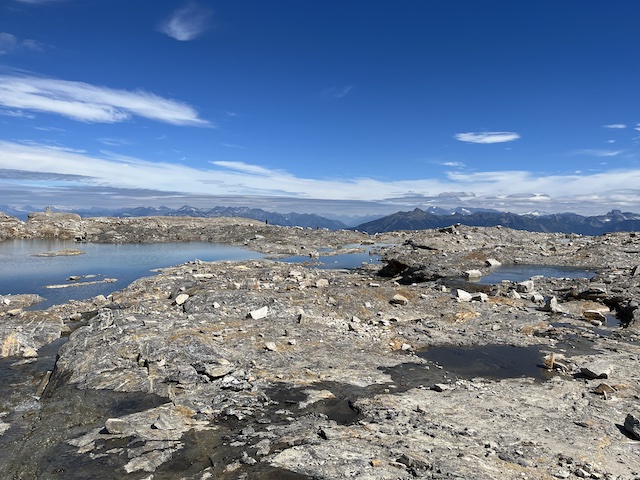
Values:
[(270, 370)]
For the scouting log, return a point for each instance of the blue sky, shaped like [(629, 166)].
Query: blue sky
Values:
[(332, 107)]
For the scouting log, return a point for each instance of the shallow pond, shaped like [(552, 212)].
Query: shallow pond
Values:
[(489, 361), (345, 260), (520, 273), (22, 272)]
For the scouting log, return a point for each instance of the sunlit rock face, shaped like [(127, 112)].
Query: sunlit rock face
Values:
[(266, 369)]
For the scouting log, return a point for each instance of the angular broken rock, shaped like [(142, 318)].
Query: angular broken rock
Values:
[(117, 426), (594, 315), (604, 389), (399, 300), (525, 287), (440, 387), (632, 425), (492, 262), (180, 299), (322, 283), (259, 313), (473, 274), (462, 295), (551, 305), (597, 370), (480, 297)]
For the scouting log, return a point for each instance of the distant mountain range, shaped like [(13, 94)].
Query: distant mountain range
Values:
[(614, 221), (434, 217), (283, 219)]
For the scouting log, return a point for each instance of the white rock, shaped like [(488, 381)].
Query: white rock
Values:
[(462, 295), (480, 297), (399, 300), (492, 262), (551, 305), (180, 299), (473, 274), (525, 287), (259, 313)]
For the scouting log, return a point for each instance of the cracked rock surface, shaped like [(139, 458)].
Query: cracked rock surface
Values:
[(262, 369)]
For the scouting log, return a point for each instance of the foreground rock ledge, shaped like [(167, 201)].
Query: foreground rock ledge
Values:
[(267, 370)]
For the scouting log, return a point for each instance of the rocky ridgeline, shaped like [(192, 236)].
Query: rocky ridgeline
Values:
[(261, 369)]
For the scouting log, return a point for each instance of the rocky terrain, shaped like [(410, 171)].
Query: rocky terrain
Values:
[(268, 370)]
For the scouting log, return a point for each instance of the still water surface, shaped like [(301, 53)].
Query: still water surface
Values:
[(22, 272), (520, 273)]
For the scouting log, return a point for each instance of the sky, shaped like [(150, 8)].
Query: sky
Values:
[(335, 107)]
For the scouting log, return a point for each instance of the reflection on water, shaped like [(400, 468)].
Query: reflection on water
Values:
[(21, 272), (344, 260), (520, 273), (347, 260), (489, 361)]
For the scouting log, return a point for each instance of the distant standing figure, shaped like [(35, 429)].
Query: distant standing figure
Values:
[(266, 222)]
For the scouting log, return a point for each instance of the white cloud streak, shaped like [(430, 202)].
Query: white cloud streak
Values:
[(508, 190), (9, 43), (92, 104), (337, 92), (615, 126), (186, 23), (596, 152), (487, 137)]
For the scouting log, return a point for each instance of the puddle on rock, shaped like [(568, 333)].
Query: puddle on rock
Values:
[(336, 407), (520, 273), (489, 361)]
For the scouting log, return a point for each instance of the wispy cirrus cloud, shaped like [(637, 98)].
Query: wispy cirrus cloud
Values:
[(615, 126), (9, 43), (336, 92), (598, 152), (114, 142), (91, 104), (487, 137), (186, 23), (15, 113)]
